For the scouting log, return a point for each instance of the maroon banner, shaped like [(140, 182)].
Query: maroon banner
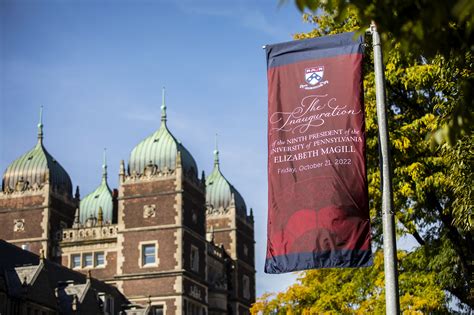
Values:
[(318, 213)]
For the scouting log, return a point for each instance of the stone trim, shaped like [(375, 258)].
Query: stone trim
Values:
[(147, 275), (26, 240), (45, 226), (178, 285), (178, 219), (144, 178), (120, 236), (178, 255), (150, 195), (233, 237), (161, 298), (8, 210)]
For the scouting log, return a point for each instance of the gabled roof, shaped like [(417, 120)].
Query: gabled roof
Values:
[(43, 276)]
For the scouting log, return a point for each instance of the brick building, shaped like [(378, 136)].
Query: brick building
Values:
[(166, 237)]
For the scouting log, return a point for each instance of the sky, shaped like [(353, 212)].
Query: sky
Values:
[(98, 68)]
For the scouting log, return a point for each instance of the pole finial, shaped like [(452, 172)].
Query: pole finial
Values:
[(216, 152), (40, 125), (163, 105), (104, 165)]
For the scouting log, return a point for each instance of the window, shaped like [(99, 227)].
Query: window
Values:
[(246, 287), (157, 310), (148, 254), (75, 261), (99, 259), (107, 303), (193, 308), (194, 258), (87, 261)]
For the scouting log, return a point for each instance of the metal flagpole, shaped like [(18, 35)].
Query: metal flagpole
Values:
[(392, 303)]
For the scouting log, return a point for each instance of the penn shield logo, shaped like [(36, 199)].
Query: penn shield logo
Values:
[(314, 78), (314, 75)]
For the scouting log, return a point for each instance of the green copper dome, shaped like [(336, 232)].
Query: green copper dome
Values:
[(220, 193), (35, 168), (161, 149), (101, 197)]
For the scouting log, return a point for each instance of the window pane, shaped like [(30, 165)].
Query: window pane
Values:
[(158, 310), (87, 260), (246, 287), (75, 261), (194, 259), (149, 249), (99, 259)]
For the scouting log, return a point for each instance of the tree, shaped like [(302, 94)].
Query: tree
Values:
[(432, 192), (424, 28)]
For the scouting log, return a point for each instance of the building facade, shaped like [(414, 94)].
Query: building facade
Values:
[(166, 238)]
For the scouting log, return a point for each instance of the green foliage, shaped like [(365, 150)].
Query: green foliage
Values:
[(357, 291), (424, 28), (432, 187)]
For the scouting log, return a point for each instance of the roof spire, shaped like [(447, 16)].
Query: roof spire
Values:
[(104, 165), (163, 106), (77, 222), (216, 154), (40, 126)]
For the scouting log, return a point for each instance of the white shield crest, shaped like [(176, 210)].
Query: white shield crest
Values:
[(314, 75)]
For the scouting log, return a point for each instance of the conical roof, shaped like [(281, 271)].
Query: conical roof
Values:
[(35, 168), (220, 193), (100, 198), (161, 149)]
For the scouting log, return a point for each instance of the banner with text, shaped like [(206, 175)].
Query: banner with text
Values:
[(318, 213)]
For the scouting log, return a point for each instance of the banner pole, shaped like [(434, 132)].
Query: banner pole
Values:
[(392, 303)]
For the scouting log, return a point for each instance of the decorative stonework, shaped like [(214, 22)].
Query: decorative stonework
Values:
[(19, 225), (149, 211), (151, 172), (211, 211), (195, 292), (21, 187), (89, 233)]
